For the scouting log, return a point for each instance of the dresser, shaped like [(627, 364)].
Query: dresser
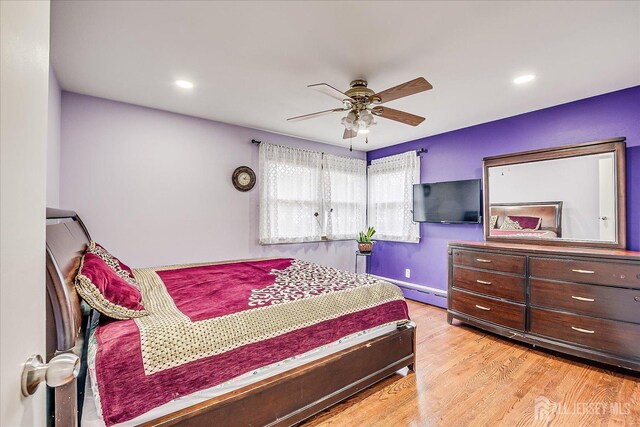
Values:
[(580, 301)]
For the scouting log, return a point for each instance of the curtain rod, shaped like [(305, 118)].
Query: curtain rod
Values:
[(256, 142), (419, 151)]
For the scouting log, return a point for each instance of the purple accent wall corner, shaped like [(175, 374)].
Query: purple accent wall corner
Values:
[(458, 155)]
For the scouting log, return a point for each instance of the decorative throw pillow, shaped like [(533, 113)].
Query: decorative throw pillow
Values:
[(512, 222), (121, 269), (494, 221), (103, 289)]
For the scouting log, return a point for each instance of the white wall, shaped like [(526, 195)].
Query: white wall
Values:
[(53, 142), (155, 187), (24, 80), (573, 181)]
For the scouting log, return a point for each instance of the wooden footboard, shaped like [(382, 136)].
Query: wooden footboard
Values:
[(295, 395)]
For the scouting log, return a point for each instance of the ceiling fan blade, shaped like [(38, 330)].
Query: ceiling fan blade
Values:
[(312, 115), (349, 134), (327, 89), (405, 89), (397, 115)]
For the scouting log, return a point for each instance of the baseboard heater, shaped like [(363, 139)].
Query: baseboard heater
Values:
[(418, 288)]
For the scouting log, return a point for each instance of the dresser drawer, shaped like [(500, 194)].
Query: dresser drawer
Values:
[(490, 283), (585, 271), (489, 261), (592, 300), (609, 336), (502, 313)]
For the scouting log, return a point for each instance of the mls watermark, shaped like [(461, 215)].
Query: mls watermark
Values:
[(545, 409)]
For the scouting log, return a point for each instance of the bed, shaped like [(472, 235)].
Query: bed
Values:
[(550, 214), (250, 342)]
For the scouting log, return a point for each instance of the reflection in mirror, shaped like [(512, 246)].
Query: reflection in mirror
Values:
[(571, 198)]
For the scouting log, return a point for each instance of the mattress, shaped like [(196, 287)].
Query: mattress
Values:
[(212, 327)]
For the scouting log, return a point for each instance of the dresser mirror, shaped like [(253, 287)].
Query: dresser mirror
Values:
[(568, 196)]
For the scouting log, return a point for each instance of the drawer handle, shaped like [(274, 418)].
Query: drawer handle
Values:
[(483, 260), (483, 282), (577, 270), (483, 308), (583, 298), (584, 331)]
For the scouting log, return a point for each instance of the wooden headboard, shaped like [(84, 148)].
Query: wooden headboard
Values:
[(550, 212), (67, 320)]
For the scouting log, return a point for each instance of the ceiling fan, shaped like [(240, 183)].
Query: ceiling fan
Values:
[(363, 104)]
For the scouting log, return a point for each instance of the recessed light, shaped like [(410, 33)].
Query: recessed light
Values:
[(524, 79), (184, 84)]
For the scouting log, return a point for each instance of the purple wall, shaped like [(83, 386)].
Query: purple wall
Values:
[(458, 155)]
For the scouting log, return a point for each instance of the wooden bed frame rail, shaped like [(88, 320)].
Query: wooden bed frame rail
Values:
[(290, 397), (282, 400)]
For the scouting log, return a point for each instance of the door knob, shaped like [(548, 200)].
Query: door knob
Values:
[(60, 370), (604, 218)]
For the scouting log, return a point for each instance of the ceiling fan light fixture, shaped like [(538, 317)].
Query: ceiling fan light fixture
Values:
[(366, 117), (349, 124), (358, 122)]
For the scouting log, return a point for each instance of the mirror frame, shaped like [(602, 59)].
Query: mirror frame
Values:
[(614, 145)]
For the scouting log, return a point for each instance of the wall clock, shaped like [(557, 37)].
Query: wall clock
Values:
[(243, 178)]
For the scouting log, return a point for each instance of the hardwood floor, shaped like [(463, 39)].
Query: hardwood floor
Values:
[(467, 377)]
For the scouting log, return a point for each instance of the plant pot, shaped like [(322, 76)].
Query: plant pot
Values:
[(365, 247)]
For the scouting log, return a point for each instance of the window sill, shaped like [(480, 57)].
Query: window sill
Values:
[(398, 240), (323, 240)]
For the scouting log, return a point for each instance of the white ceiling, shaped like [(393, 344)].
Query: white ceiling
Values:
[(251, 61)]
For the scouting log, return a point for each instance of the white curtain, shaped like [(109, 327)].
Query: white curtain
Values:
[(290, 195), (391, 182), (345, 196)]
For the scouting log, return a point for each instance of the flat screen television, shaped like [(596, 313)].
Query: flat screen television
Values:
[(448, 202)]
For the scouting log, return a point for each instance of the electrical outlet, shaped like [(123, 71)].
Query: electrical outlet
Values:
[(407, 273)]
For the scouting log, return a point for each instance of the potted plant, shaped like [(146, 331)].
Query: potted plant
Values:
[(365, 244)]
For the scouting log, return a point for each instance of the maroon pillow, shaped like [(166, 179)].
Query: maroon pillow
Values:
[(119, 267), (103, 289), (513, 222)]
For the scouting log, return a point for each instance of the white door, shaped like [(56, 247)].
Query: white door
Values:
[(607, 208), (24, 74)]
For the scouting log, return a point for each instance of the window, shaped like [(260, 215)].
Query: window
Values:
[(390, 208), (290, 195), (345, 196), (305, 195)]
